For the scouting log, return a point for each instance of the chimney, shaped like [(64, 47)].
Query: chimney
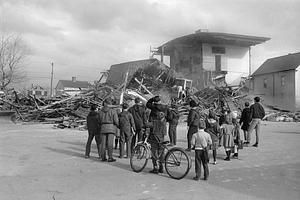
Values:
[(73, 79)]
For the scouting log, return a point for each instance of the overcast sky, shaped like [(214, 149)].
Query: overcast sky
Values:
[(85, 37)]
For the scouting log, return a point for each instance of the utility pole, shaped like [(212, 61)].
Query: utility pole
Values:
[(51, 94)]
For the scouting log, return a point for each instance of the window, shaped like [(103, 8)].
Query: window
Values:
[(265, 83), (282, 80), (218, 50), (38, 92)]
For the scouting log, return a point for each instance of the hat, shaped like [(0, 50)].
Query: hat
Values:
[(93, 107), (125, 105), (156, 99), (193, 103)]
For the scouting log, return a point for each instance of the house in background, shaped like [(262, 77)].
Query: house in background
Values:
[(37, 91), (277, 80), (208, 58), (117, 72), (71, 87)]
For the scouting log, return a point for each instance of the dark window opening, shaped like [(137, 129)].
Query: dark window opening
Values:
[(218, 50)]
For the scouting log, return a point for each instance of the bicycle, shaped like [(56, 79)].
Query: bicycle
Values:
[(177, 162)]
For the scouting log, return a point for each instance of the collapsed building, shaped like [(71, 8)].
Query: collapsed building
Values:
[(211, 58)]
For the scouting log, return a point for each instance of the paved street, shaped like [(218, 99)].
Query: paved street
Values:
[(39, 162)]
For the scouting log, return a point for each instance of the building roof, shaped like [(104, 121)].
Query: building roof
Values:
[(213, 38), (117, 72), (278, 64), (74, 84)]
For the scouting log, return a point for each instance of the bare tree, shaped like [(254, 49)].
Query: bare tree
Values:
[(12, 55)]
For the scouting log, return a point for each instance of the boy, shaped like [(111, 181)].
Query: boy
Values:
[(126, 124), (172, 118), (200, 142)]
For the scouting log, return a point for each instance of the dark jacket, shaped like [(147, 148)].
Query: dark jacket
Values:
[(172, 116), (157, 110), (245, 119), (126, 122), (109, 120), (257, 111), (158, 117), (139, 115), (93, 125), (193, 118)]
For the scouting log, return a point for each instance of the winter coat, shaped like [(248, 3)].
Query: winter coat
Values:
[(126, 122), (157, 117), (93, 125), (193, 118), (245, 119), (109, 120), (139, 115), (228, 133), (257, 111), (172, 116), (158, 111)]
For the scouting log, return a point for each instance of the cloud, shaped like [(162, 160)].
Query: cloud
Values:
[(86, 37)]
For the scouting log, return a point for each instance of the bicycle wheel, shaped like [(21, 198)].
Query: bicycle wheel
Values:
[(177, 163), (139, 159)]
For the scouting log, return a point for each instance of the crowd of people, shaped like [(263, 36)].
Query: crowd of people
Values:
[(125, 128)]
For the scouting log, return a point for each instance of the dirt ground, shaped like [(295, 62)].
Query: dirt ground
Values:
[(39, 162)]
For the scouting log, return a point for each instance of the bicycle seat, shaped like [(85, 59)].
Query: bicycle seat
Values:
[(164, 142)]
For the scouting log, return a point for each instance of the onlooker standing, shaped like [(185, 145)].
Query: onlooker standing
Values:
[(192, 123), (138, 111), (245, 121), (236, 138), (213, 128), (109, 122), (126, 123), (172, 119), (200, 141), (93, 130), (227, 130), (158, 118), (257, 113)]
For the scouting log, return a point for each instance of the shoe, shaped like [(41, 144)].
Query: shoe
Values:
[(104, 159), (235, 156), (188, 149), (196, 178), (111, 160), (161, 170), (255, 145), (154, 171), (227, 159), (121, 157), (215, 162), (205, 178), (86, 156)]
